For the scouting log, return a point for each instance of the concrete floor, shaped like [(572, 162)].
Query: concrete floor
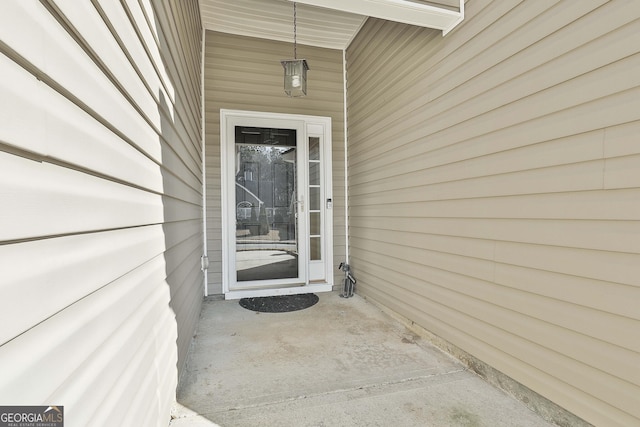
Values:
[(341, 362)]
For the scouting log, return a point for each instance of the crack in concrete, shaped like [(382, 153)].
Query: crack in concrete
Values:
[(365, 387)]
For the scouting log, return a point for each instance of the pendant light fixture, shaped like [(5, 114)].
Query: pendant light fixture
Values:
[(295, 70)]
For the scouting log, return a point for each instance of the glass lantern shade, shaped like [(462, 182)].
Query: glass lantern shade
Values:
[(295, 77)]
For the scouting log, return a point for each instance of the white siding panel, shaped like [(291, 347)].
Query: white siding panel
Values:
[(87, 327), (76, 139), (21, 98), (60, 59), (101, 197), (84, 19), (494, 192), (175, 50), (140, 52), (150, 41), (52, 200), (94, 260)]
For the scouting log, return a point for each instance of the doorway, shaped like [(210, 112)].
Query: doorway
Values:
[(276, 193)]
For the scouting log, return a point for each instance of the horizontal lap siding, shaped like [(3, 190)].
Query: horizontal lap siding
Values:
[(243, 73), (494, 191), (101, 195)]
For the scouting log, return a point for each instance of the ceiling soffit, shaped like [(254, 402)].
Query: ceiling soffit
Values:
[(273, 19), (324, 23), (413, 12)]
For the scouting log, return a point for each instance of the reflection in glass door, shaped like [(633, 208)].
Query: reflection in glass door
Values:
[(276, 203), (266, 204)]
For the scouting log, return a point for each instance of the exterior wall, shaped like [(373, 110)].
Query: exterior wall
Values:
[(101, 196), (494, 191), (244, 73)]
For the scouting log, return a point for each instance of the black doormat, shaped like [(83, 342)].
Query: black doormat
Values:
[(280, 303)]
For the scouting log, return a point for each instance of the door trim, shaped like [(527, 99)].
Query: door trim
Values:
[(228, 259)]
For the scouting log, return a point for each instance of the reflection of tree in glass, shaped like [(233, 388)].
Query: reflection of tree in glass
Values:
[(265, 156), (266, 175), (258, 153)]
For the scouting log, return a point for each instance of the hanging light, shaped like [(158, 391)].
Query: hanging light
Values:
[(295, 70)]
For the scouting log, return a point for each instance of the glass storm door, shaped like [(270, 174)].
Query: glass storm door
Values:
[(267, 204), (277, 219)]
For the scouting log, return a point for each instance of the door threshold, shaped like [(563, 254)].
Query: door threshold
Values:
[(253, 293)]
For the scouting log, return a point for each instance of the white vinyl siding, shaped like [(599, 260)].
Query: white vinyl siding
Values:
[(244, 73), (101, 197), (494, 191)]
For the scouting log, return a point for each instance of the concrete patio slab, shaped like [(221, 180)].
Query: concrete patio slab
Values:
[(342, 362)]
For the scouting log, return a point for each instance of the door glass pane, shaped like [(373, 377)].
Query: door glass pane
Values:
[(265, 195), (316, 248), (314, 173), (314, 198), (314, 223), (314, 148)]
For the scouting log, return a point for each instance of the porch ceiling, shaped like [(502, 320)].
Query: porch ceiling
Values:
[(323, 23)]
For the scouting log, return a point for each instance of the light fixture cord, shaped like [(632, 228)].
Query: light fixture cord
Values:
[(295, 41)]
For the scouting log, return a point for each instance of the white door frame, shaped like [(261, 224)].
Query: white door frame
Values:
[(318, 126)]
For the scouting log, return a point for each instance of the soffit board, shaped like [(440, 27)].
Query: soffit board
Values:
[(323, 23)]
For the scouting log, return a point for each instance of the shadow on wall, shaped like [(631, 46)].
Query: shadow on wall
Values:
[(181, 169)]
